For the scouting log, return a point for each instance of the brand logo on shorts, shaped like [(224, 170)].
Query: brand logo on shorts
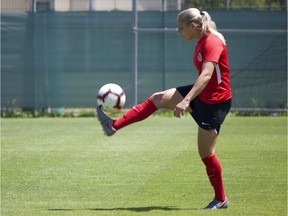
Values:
[(199, 57)]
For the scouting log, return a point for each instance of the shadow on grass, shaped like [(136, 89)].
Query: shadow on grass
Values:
[(134, 209)]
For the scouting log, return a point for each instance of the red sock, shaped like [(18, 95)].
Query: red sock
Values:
[(137, 113), (214, 172)]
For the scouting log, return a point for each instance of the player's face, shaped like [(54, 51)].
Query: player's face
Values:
[(185, 30), (188, 31)]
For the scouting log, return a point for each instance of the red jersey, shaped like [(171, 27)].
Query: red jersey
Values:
[(211, 48)]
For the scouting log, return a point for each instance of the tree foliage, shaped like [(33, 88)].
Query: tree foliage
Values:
[(236, 4)]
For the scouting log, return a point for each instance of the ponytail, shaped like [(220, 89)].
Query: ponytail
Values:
[(209, 26), (202, 19)]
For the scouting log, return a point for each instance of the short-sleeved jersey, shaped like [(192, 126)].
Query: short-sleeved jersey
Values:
[(210, 48)]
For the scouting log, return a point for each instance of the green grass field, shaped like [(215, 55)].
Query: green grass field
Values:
[(66, 166)]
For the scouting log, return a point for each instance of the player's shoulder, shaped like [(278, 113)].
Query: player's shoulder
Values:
[(209, 40), (212, 41), (212, 38)]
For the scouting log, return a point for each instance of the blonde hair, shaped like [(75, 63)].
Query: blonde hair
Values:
[(202, 20)]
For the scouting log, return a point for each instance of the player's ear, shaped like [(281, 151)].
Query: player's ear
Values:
[(193, 25)]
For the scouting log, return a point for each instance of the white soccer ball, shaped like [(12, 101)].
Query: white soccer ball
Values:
[(112, 97)]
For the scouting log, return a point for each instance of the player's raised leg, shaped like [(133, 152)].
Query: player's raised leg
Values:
[(165, 99)]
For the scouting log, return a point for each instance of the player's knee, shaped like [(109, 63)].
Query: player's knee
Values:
[(157, 99)]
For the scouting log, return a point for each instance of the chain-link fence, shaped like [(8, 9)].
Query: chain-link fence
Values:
[(61, 58)]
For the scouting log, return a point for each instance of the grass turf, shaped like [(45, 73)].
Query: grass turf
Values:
[(67, 167)]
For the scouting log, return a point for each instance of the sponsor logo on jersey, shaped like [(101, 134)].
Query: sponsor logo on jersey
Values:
[(199, 57)]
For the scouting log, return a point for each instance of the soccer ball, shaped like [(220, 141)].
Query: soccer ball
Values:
[(112, 97)]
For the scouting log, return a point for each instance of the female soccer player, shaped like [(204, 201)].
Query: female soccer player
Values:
[(208, 100)]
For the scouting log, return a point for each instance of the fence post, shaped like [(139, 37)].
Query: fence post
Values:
[(92, 5), (135, 51), (34, 6), (164, 9), (227, 4)]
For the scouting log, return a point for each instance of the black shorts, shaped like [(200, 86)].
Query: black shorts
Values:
[(207, 116)]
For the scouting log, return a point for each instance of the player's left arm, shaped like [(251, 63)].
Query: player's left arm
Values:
[(200, 84)]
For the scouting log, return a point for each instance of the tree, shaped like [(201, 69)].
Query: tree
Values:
[(236, 4)]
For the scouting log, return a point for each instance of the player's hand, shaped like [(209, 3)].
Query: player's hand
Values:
[(180, 108)]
